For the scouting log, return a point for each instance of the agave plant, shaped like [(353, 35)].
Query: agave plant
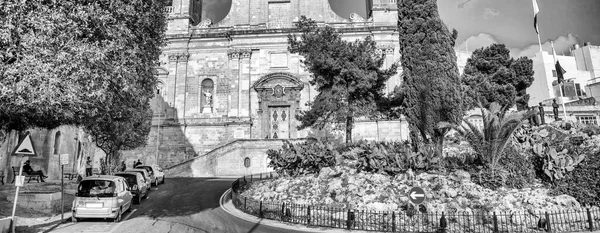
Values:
[(498, 127)]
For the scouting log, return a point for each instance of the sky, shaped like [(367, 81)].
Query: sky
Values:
[(483, 22)]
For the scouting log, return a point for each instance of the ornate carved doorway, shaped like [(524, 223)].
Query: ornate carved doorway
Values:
[(278, 102), (280, 122)]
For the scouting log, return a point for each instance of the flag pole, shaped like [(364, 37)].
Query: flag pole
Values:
[(539, 41), (561, 85)]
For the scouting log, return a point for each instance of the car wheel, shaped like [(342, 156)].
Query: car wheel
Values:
[(138, 199), (146, 196), (163, 180), (118, 217)]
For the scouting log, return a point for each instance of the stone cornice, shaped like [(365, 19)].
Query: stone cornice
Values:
[(230, 31)]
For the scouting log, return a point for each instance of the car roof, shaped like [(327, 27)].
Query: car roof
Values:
[(102, 177), (135, 170), (128, 173)]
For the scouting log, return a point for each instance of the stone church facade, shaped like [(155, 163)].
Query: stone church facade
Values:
[(233, 79)]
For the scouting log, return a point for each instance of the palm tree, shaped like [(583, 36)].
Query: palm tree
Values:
[(498, 127)]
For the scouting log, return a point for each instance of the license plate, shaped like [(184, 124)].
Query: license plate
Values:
[(94, 205)]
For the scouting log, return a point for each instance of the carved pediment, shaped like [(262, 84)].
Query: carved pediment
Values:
[(278, 86), (286, 80)]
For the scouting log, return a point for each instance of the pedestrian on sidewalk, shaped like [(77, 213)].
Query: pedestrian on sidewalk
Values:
[(123, 166), (88, 167)]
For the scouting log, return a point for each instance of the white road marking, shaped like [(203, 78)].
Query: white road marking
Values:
[(129, 215)]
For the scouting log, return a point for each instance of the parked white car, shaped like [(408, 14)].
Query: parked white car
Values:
[(156, 171)]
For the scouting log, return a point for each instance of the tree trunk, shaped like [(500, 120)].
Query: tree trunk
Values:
[(439, 143), (349, 125)]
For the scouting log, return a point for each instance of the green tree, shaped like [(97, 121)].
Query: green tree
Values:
[(431, 83), (494, 76), (85, 63), (348, 75)]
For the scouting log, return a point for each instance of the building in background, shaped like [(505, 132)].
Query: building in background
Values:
[(231, 77), (581, 89)]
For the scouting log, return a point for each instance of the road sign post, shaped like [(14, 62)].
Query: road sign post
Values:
[(64, 159), (25, 147), (416, 195)]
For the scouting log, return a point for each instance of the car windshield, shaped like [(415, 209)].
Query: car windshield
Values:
[(96, 188), (141, 172), (131, 179), (148, 169)]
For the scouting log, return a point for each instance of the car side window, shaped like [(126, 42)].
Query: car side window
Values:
[(123, 186)]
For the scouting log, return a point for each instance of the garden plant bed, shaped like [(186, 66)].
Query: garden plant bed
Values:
[(374, 198)]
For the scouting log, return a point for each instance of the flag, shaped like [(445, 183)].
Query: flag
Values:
[(559, 70), (536, 10)]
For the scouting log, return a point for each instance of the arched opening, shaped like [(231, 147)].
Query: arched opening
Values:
[(206, 98), (57, 143), (247, 162), (344, 8), (215, 10)]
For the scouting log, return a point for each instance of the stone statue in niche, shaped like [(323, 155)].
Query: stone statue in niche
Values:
[(208, 96)]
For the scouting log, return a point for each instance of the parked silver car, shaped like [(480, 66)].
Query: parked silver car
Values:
[(101, 196)]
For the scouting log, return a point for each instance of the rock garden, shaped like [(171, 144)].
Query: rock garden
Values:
[(522, 174)]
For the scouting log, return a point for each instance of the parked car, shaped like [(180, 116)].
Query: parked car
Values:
[(159, 175), (147, 177), (139, 188), (101, 196)]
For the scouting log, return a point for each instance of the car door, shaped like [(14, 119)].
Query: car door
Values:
[(127, 194)]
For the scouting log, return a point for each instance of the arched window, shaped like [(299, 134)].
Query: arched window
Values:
[(207, 95), (247, 162), (57, 143)]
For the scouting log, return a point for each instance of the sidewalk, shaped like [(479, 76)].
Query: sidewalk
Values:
[(227, 206)]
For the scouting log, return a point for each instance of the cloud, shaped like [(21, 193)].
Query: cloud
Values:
[(489, 13), (561, 45), (476, 42), (462, 4)]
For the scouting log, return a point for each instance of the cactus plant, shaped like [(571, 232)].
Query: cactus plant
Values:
[(556, 164)]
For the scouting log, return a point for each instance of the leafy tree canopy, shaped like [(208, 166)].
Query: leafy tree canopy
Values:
[(431, 87), (347, 74), (86, 63), (492, 75)]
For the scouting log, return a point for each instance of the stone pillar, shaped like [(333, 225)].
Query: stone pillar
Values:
[(239, 55), (245, 56), (181, 60), (234, 56)]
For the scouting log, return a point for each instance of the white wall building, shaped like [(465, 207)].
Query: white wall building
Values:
[(582, 70)]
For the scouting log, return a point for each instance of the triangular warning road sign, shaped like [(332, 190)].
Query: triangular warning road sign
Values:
[(25, 147)]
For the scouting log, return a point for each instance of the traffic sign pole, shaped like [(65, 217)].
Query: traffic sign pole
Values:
[(17, 191)]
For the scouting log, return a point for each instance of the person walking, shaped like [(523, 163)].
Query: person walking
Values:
[(88, 167), (29, 170), (138, 163), (123, 166)]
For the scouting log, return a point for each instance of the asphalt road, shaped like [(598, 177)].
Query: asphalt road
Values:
[(179, 205)]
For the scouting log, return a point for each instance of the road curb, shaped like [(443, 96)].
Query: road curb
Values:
[(227, 206)]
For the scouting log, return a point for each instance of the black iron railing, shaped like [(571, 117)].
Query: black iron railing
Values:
[(586, 219)]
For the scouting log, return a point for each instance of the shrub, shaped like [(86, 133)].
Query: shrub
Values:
[(591, 130), (520, 168), (582, 183), (489, 178), (303, 158)]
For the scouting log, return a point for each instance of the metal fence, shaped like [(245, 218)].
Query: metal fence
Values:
[(587, 219)]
